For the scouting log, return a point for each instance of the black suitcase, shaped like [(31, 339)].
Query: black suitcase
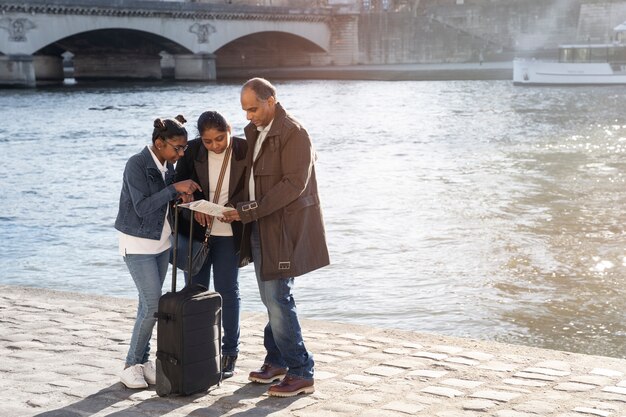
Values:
[(189, 337)]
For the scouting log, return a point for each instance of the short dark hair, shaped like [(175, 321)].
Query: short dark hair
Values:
[(212, 120), (261, 87), (168, 128)]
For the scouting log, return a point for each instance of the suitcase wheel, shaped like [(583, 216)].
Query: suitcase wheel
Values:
[(163, 384)]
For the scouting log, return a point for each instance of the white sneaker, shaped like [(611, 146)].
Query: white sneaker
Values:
[(133, 377), (149, 372)]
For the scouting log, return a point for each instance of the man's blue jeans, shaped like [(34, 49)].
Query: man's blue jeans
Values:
[(283, 336), (224, 259), (148, 272)]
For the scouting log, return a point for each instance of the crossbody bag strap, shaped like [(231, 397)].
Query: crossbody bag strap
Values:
[(218, 190)]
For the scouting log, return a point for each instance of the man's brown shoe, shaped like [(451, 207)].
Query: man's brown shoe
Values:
[(267, 374), (291, 386)]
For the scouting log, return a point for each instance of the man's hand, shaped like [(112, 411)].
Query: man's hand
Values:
[(230, 216)]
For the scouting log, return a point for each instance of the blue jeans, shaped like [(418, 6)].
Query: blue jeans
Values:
[(282, 336), (148, 272), (224, 259)]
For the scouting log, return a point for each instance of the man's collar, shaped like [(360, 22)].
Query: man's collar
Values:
[(265, 128)]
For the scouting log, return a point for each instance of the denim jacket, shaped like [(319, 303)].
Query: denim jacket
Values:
[(144, 197)]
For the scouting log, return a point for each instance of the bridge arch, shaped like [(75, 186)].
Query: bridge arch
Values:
[(268, 49)]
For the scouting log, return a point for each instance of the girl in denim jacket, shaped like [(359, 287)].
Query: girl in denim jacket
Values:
[(143, 222)]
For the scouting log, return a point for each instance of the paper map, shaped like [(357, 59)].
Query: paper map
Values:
[(206, 207)]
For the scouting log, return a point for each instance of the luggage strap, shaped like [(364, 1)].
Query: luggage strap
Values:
[(166, 357), (163, 316)]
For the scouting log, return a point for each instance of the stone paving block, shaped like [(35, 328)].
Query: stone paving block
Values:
[(512, 413), (615, 390), (342, 408), (379, 413), (558, 365), (602, 405), (423, 398), (511, 388), (412, 345), (502, 396), (547, 371), (404, 363), (442, 391), (452, 367), (340, 387), (606, 372), (75, 327), (592, 411), (104, 316), (24, 345), (461, 383), (30, 318), (542, 408), (479, 356), (460, 413), (397, 351), (591, 379), (354, 349), (30, 355), (14, 336), (323, 358), (403, 407), (302, 403), (351, 364), (93, 377), (339, 342), (429, 355), (90, 334), (376, 356), (621, 383), (383, 370), (573, 387), (65, 382), (338, 353), (427, 373), (524, 382), (478, 405), (80, 311), (351, 336), (385, 340), (322, 375), (540, 377), (393, 388), (63, 349), (462, 361), (366, 343)]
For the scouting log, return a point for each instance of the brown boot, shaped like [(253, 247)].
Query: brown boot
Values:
[(267, 374), (291, 386)]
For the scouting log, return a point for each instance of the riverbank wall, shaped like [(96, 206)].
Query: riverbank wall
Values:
[(62, 353), (397, 72)]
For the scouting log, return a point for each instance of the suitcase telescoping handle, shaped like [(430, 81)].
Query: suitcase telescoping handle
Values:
[(175, 249)]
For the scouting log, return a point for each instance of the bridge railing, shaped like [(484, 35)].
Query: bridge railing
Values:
[(175, 8)]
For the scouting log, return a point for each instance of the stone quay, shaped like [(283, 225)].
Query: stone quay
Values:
[(62, 353)]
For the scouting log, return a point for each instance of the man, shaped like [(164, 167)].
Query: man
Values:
[(283, 231)]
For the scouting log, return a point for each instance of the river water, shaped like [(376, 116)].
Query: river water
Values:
[(465, 208)]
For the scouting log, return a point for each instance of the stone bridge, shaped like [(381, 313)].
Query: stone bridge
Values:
[(141, 39)]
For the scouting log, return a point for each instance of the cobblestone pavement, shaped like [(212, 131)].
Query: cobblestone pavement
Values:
[(62, 352)]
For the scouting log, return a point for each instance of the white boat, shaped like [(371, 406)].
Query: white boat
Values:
[(578, 64)]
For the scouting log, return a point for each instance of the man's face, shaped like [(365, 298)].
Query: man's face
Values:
[(259, 112)]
